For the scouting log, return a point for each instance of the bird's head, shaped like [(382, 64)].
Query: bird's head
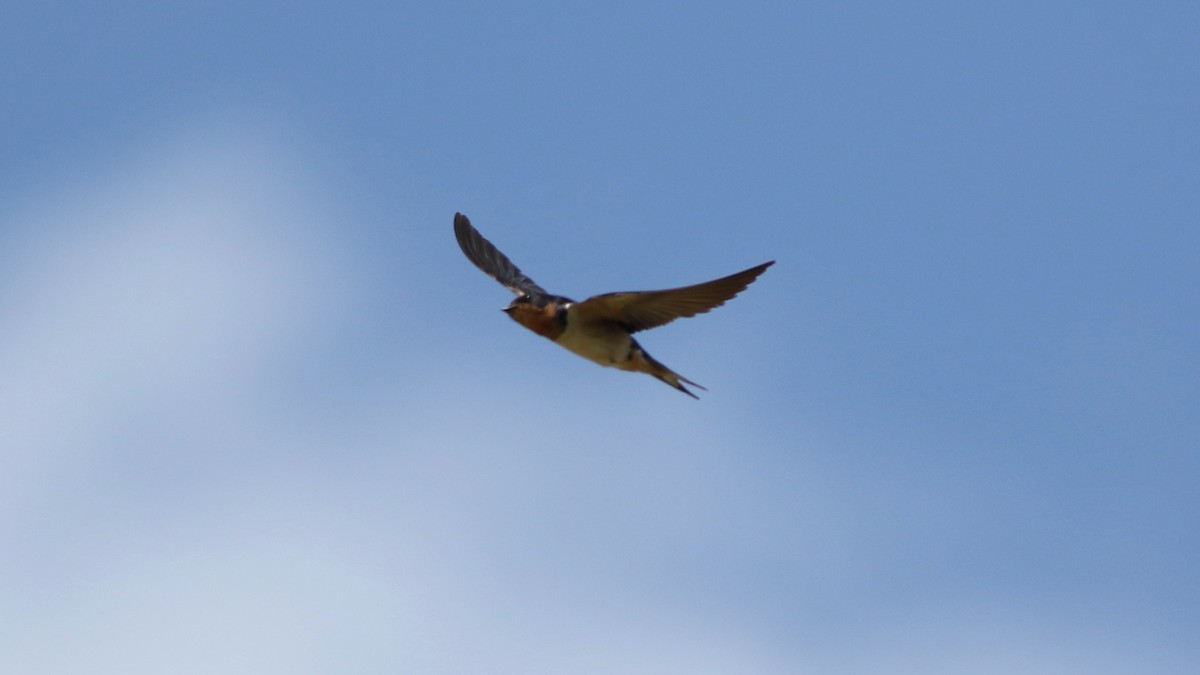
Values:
[(543, 315), (520, 303)]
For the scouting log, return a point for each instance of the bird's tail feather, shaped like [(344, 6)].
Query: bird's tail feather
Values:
[(657, 369)]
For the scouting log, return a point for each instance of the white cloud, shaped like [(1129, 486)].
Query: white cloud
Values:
[(165, 282)]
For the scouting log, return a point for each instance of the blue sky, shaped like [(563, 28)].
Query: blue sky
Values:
[(259, 414)]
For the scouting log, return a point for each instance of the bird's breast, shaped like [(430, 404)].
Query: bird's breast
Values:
[(602, 342)]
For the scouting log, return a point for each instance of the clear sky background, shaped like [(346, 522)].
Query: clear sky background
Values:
[(258, 414)]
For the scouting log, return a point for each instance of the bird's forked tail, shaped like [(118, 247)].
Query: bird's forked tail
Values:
[(652, 366)]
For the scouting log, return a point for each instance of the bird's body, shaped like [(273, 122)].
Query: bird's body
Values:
[(605, 343), (600, 328)]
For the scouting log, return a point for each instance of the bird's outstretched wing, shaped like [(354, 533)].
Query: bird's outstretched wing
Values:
[(640, 310), (489, 259)]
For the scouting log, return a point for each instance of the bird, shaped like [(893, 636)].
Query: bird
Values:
[(601, 327)]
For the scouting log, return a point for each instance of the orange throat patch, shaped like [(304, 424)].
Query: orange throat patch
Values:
[(543, 321)]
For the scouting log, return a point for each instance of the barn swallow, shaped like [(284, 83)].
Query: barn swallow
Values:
[(601, 328)]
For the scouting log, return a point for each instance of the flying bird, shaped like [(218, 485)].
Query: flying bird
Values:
[(601, 328)]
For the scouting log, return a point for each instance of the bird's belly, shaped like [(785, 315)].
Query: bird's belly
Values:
[(606, 345)]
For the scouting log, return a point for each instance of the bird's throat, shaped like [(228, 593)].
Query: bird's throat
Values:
[(545, 321)]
